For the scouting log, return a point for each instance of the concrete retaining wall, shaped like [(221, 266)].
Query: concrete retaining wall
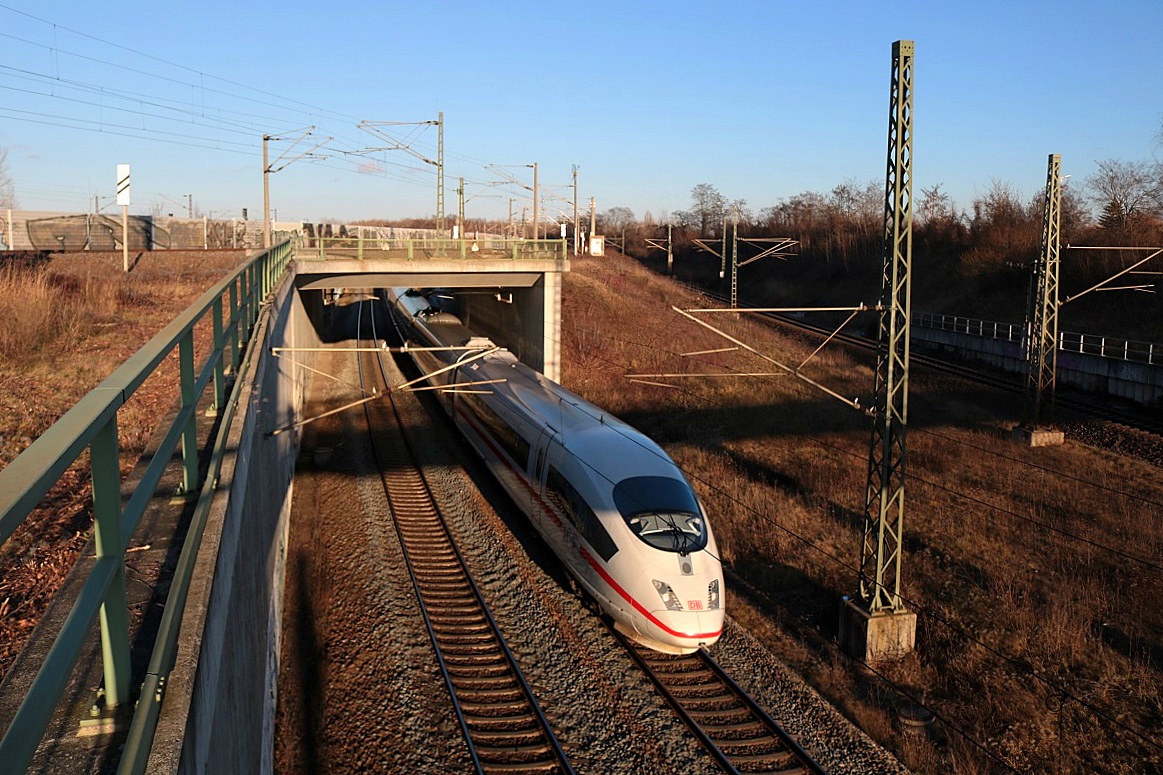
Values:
[(528, 323), (218, 715), (1139, 382)]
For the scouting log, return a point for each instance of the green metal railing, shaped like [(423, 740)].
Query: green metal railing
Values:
[(490, 247), (92, 425)]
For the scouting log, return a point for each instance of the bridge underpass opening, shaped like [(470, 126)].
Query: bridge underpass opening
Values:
[(515, 304)]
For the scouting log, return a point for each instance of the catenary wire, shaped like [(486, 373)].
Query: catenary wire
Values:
[(1021, 666)]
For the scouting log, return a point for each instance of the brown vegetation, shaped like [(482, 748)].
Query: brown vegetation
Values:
[(973, 263), (1035, 573), (65, 324)]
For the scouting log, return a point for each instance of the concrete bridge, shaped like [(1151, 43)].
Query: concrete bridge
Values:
[(203, 672)]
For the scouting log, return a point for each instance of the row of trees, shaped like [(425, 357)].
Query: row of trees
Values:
[(1120, 204)]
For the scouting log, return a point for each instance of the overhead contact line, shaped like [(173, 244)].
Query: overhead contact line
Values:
[(503, 725)]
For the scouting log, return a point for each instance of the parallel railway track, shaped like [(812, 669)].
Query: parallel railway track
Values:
[(738, 733), (503, 725), (731, 726), (1092, 407)]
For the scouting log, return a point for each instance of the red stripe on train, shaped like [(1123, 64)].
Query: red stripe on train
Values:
[(589, 558)]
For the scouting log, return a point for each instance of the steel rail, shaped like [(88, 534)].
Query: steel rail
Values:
[(503, 725), (1093, 408), (730, 724)]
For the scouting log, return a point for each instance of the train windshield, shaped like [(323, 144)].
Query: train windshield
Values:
[(663, 512)]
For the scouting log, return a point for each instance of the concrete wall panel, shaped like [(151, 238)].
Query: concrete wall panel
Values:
[(219, 710)]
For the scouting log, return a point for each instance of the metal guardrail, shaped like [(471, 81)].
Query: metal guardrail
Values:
[(92, 424), (1110, 347), (1090, 344), (484, 247), (1008, 332)]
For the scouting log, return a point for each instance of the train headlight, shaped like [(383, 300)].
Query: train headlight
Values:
[(713, 595), (667, 594)]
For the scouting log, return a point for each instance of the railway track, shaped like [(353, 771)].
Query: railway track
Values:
[(502, 723), (1096, 408), (741, 736)]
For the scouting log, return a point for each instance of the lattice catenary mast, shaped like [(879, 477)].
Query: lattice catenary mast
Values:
[(885, 505), (1043, 313), (877, 625)]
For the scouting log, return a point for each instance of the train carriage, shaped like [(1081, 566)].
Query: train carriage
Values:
[(608, 501)]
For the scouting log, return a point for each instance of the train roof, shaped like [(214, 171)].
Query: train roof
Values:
[(608, 445)]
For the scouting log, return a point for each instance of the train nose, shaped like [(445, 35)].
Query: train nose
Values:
[(692, 624), (691, 616)]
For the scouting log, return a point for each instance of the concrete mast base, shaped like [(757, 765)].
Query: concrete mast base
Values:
[(876, 637), (1038, 437)]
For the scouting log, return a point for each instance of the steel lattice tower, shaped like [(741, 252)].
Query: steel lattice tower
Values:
[(440, 171), (880, 559), (1043, 314)]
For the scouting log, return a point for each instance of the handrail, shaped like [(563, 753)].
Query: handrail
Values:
[(142, 729), (1090, 344), (92, 424), (485, 246)]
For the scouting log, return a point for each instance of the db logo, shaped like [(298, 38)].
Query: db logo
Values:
[(694, 605)]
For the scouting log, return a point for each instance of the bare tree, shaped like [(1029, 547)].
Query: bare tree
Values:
[(936, 207), (615, 219), (1125, 192), (739, 209), (707, 207)]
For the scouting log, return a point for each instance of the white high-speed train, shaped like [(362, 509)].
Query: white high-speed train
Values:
[(608, 501)]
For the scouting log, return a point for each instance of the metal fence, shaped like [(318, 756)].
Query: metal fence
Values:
[(1090, 344), (92, 425), (419, 248)]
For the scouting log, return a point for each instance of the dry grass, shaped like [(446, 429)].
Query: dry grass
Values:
[(1035, 573), (65, 325)]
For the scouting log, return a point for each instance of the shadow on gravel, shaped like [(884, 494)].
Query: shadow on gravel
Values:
[(310, 659)]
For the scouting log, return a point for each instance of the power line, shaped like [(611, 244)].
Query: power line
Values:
[(56, 26), (1021, 665)]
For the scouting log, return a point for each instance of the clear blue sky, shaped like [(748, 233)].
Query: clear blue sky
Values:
[(761, 99)]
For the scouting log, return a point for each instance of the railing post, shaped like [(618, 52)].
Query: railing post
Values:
[(244, 307), (235, 325), (411, 249), (254, 282), (190, 432), (359, 244), (220, 362), (104, 461)]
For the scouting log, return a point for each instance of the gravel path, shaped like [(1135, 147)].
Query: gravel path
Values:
[(359, 689)]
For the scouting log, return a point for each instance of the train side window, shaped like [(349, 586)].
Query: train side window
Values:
[(569, 501), (512, 442)]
